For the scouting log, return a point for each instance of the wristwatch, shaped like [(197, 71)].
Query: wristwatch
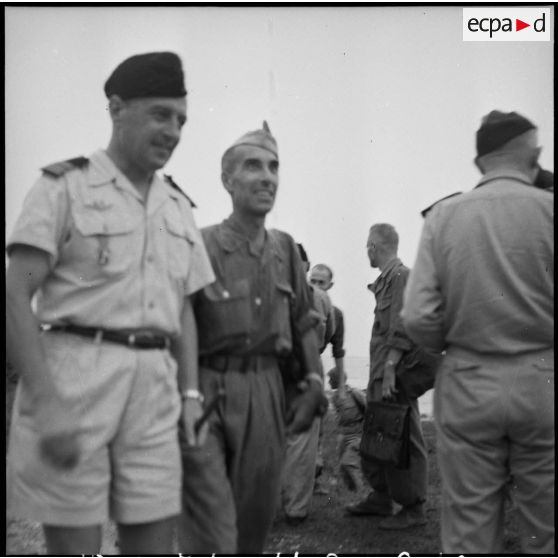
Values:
[(191, 394)]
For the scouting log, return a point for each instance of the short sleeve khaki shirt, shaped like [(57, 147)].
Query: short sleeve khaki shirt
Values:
[(117, 261)]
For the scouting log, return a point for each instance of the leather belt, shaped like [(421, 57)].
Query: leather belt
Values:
[(139, 340), (222, 363)]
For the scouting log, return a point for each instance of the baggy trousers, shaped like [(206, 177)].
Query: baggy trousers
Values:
[(405, 486), (495, 419), (231, 484), (300, 471)]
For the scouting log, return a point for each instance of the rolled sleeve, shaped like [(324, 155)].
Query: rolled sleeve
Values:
[(201, 271), (422, 312), (41, 221), (338, 338)]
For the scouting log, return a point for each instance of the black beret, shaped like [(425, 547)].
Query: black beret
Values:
[(154, 74), (497, 128)]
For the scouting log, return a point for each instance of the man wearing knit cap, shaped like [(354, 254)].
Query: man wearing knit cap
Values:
[(108, 358), (482, 291), (249, 320)]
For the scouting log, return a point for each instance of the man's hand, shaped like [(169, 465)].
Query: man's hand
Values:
[(388, 382), (62, 450), (58, 426), (310, 403), (191, 411)]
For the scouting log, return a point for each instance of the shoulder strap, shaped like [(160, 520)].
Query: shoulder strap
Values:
[(424, 212), (62, 167), (172, 183)]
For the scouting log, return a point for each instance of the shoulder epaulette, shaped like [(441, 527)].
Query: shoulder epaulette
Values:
[(424, 212), (62, 167), (172, 183)]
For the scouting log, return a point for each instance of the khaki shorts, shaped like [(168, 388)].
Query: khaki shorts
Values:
[(130, 467)]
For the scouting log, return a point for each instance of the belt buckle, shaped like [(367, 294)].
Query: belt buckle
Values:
[(131, 340)]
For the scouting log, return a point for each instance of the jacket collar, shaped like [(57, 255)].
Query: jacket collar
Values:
[(231, 238), (509, 174), (384, 275), (102, 171)]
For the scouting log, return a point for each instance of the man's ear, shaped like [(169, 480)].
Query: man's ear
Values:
[(478, 164), (227, 183), (330, 285), (115, 106)]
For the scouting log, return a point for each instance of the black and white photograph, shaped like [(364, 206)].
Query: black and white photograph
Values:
[(279, 279)]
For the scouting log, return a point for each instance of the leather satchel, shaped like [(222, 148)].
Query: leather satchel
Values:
[(416, 372), (385, 436)]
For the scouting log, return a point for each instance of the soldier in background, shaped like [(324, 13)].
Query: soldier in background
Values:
[(249, 321), (321, 278), (389, 346), (303, 462), (350, 406), (112, 252)]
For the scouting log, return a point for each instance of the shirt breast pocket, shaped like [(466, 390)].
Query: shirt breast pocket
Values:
[(102, 244), (178, 247), (282, 310), (382, 316), (230, 311)]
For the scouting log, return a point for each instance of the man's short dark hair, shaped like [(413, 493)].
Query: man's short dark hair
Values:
[(387, 234), (326, 268)]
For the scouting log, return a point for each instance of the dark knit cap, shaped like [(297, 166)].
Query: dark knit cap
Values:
[(497, 128), (154, 74)]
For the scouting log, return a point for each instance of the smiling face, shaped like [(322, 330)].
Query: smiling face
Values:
[(147, 130), (252, 180)]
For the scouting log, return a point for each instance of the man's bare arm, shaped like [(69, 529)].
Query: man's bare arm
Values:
[(56, 421)]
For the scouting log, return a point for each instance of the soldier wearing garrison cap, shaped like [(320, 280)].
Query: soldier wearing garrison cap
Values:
[(482, 290), (249, 320), (107, 358)]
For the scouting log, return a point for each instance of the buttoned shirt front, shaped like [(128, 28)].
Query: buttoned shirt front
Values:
[(116, 261), (388, 331), (484, 274), (257, 297)]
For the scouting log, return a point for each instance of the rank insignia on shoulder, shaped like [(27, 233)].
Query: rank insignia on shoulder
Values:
[(424, 212), (172, 183), (62, 167)]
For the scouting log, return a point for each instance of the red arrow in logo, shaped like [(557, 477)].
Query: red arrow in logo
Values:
[(519, 25)]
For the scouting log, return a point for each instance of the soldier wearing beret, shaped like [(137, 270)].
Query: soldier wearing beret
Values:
[(249, 320), (482, 290), (107, 357)]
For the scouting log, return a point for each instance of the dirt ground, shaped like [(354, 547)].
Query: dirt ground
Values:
[(327, 530)]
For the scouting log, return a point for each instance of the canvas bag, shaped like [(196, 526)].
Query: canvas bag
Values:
[(385, 436)]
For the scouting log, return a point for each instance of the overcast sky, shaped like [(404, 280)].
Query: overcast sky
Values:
[(374, 108)]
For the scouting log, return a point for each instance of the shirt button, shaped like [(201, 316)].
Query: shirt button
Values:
[(151, 305), (149, 258), (248, 341), (258, 301), (226, 294)]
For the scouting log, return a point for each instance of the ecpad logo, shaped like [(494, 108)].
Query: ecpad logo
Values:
[(506, 24)]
